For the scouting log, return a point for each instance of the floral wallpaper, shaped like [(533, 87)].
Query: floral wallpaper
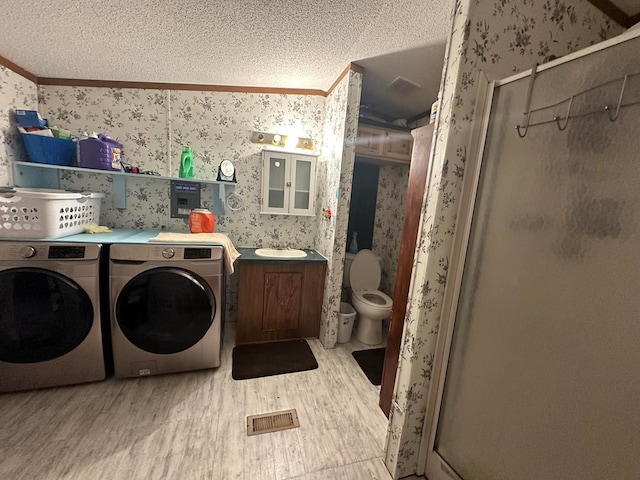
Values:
[(335, 176), (218, 126), (15, 92), (153, 125), (499, 37), (136, 118), (387, 230)]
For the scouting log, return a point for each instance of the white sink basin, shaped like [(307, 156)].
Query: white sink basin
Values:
[(280, 253)]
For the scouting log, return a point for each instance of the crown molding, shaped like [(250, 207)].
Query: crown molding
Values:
[(17, 69), (352, 66), (77, 82)]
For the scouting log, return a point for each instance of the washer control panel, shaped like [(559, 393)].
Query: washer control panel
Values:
[(45, 251), (194, 253)]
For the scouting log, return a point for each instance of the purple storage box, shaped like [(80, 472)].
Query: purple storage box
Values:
[(102, 153)]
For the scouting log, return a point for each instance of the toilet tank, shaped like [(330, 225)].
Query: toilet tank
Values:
[(347, 266)]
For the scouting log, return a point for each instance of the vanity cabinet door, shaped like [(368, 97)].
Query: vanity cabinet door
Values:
[(279, 300), (282, 301)]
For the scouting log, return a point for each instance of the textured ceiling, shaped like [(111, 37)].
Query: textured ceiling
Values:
[(273, 43), (422, 66)]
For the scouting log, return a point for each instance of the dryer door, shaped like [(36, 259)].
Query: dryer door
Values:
[(165, 310), (44, 315)]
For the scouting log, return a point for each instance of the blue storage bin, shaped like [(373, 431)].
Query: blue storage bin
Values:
[(30, 118), (55, 151)]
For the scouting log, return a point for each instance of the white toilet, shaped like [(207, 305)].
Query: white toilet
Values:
[(362, 275)]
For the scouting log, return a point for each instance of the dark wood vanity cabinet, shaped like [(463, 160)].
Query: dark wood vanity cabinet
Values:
[(279, 300)]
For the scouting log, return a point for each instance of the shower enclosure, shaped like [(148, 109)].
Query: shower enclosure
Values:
[(539, 354)]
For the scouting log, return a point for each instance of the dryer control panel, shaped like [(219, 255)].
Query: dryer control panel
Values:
[(60, 251), (173, 252)]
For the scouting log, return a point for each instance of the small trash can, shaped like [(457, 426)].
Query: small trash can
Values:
[(345, 322)]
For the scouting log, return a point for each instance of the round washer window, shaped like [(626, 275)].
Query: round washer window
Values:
[(44, 315), (165, 310)]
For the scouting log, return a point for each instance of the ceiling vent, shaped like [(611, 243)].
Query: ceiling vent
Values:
[(403, 86)]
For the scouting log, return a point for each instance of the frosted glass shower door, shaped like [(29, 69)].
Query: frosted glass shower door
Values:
[(543, 374)]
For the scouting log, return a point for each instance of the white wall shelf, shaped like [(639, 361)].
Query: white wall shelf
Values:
[(44, 175)]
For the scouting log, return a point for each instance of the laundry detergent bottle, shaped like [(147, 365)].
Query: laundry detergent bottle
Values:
[(186, 163), (201, 220)]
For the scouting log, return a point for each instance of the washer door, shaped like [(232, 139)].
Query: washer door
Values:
[(44, 315), (165, 310)]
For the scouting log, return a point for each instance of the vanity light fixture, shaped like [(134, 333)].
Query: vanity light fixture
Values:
[(305, 143), (280, 140), (269, 138)]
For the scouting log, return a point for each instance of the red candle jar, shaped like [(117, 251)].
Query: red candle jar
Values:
[(201, 221)]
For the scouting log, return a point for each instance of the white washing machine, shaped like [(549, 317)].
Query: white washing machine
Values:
[(166, 307), (50, 329)]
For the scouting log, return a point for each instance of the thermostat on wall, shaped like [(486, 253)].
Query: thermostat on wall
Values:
[(185, 196)]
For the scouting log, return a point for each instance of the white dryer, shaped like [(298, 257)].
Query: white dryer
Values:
[(50, 329), (166, 307)]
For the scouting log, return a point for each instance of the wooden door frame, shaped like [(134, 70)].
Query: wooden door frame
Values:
[(418, 175)]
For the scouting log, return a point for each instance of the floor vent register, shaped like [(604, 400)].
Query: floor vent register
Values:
[(272, 422)]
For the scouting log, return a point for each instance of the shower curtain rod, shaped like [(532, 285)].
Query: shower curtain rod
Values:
[(562, 122)]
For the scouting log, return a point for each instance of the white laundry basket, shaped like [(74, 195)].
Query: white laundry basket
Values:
[(33, 213), (345, 322)]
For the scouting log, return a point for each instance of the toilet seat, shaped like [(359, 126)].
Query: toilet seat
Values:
[(374, 298), (365, 271)]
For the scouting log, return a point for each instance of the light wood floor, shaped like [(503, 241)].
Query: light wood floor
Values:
[(192, 426)]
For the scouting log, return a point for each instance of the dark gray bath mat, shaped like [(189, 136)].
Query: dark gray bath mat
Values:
[(371, 362), (275, 358)]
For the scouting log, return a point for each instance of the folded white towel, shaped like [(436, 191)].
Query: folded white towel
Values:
[(230, 252)]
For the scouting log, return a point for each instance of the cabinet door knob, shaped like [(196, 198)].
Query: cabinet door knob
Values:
[(288, 184)]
